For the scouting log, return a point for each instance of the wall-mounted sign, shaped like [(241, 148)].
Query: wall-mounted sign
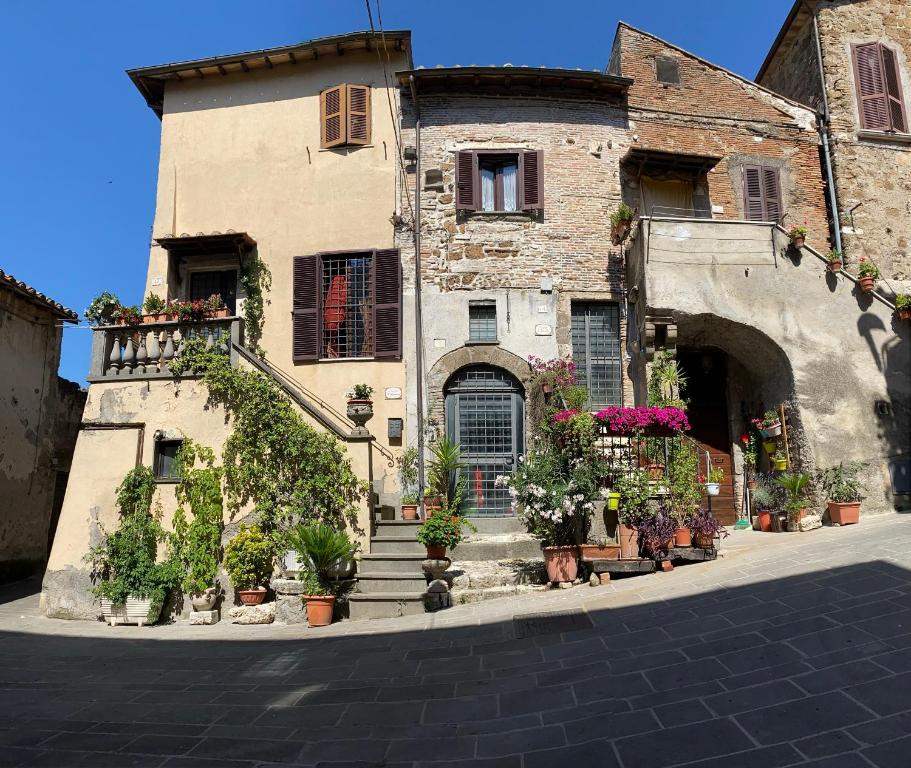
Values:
[(543, 330), (393, 393)]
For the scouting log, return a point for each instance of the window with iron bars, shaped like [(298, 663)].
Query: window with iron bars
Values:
[(596, 351), (347, 306)]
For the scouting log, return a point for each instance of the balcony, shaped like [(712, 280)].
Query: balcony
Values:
[(145, 351)]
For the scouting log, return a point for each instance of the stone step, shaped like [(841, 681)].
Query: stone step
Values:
[(508, 546), (384, 605), (402, 528), (410, 564), (508, 524), (391, 582), (396, 545), (464, 596)]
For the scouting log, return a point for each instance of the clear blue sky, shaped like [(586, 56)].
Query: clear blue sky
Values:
[(80, 148)]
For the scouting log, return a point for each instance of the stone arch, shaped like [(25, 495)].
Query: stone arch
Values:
[(451, 362)]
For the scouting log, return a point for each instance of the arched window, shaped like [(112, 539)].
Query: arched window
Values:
[(485, 415)]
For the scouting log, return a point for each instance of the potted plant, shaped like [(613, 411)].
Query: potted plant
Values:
[(611, 499), (867, 274), (762, 501), (248, 561), (155, 309), (131, 584), (714, 480), (634, 490), (771, 423), (750, 457), (319, 601), (684, 489), (360, 406), (602, 549), (445, 476), (844, 492), (620, 222), (683, 536), (128, 315), (552, 375), (903, 306), (408, 480), (798, 235), (657, 533), (705, 527), (197, 543), (215, 307), (778, 461), (794, 484), (834, 261), (102, 309), (441, 532)]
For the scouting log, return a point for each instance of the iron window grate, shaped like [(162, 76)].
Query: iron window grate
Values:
[(482, 322), (596, 351), (347, 307)]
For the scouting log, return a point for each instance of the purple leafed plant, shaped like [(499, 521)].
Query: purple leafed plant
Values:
[(704, 524), (656, 531)]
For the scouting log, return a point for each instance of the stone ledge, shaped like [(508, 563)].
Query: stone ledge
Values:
[(253, 614), (204, 617)]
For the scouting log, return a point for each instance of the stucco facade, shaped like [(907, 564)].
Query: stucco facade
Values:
[(39, 419), (871, 170)]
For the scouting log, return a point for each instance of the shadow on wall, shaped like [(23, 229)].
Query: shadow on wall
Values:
[(762, 667)]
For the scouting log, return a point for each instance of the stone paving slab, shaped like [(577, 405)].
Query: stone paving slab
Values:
[(790, 649)]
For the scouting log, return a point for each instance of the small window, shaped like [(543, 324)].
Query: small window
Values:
[(667, 70), (482, 321), (166, 460), (596, 351), (498, 183), (761, 193), (879, 88)]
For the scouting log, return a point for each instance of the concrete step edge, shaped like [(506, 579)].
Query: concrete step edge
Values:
[(378, 597)]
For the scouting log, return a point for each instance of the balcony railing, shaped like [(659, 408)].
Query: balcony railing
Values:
[(146, 351)]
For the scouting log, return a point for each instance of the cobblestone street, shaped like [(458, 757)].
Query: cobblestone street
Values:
[(791, 649)]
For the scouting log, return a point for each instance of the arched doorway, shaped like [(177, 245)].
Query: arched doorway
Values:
[(485, 415)]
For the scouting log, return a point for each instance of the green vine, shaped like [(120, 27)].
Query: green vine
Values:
[(197, 543), (256, 280), (273, 459)]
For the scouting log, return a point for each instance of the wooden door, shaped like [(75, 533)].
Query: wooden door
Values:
[(706, 393)]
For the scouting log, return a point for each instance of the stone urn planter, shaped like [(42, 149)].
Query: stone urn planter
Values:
[(561, 563), (319, 609), (847, 513), (360, 412), (204, 601), (252, 596), (629, 542), (136, 610)]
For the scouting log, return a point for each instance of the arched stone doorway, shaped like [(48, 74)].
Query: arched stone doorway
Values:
[(485, 415)]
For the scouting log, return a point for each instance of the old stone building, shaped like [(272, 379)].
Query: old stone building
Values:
[(860, 86), (39, 418)]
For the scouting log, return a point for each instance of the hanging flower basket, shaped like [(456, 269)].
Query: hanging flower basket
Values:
[(713, 489)]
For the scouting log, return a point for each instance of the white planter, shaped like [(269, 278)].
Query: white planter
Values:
[(774, 430), (136, 611), (713, 489)]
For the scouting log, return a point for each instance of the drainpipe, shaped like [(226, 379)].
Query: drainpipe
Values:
[(418, 323), (823, 128)]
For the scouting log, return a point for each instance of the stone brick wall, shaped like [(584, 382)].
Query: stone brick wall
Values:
[(873, 172), (795, 72)]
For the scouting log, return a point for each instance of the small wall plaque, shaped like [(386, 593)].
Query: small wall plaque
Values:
[(543, 330), (393, 393)]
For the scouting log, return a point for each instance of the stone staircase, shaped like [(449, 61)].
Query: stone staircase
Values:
[(390, 579)]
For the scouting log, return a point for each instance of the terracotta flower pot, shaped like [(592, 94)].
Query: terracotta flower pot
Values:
[(834, 266), (847, 513), (561, 563), (319, 609), (904, 314), (629, 542), (704, 540), (218, 313), (752, 484), (798, 241), (765, 521), (683, 538), (590, 552), (867, 284), (252, 596), (409, 511), (435, 552)]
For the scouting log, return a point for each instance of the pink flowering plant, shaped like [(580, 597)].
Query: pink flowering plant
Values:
[(628, 421), (557, 373)]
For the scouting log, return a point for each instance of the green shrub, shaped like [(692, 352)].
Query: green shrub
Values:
[(320, 545), (154, 304), (443, 530), (249, 558), (102, 309)]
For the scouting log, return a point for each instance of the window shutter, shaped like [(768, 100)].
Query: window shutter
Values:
[(532, 179), (332, 104), (387, 304), (358, 114), (305, 312), (871, 87), (466, 186), (771, 193), (894, 90), (752, 193)]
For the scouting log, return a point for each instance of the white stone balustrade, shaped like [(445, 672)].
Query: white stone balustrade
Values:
[(146, 350)]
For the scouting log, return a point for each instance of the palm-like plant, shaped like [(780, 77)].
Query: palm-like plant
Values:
[(445, 468), (321, 545), (794, 484)]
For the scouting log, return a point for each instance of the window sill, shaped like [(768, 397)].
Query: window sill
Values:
[(343, 359), (479, 343), (167, 480), (510, 214), (899, 138)]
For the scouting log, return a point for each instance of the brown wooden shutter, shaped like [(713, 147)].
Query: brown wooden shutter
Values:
[(466, 181), (894, 90), (752, 193), (387, 304), (771, 195), (871, 87), (358, 114), (332, 103), (532, 179), (305, 308)]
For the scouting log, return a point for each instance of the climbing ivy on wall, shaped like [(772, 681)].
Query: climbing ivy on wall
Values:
[(256, 280), (273, 459)]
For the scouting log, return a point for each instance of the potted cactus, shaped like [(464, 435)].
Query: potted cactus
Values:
[(867, 274)]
